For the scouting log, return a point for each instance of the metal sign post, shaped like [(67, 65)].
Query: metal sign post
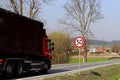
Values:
[(79, 58), (79, 43)]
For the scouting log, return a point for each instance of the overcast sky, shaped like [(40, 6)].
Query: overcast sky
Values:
[(105, 29)]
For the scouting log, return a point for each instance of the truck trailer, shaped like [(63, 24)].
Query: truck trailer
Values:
[(24, 45)]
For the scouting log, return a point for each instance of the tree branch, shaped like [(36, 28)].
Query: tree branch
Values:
[(14, 5)]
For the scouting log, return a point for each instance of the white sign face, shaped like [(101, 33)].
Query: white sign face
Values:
[(79, 42)]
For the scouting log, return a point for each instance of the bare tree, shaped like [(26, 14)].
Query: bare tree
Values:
[(79, 16), (33, 9), (29, 8), (115, 47)]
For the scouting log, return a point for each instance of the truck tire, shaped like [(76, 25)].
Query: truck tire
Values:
[(19, 69), (9, 70), (46, 67)]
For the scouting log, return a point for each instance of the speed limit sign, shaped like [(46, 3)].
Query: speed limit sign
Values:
[(79, 42)]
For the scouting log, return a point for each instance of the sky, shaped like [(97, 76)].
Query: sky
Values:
[(106, 29)]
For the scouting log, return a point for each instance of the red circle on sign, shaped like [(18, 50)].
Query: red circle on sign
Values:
[(79, 44)]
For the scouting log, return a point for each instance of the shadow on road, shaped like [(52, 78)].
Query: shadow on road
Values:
[(25, 75), (33, 74), (57, 71), (114, 58)]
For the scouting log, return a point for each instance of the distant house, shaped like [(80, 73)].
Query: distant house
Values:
[(100, 50), (92, 50)]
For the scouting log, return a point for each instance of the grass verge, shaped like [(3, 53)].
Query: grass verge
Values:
[(104, 73), (92, 59)]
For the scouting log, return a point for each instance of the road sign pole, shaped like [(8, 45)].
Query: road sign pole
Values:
[(79, 43), (79, 60)]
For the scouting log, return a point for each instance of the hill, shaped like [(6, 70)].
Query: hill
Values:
[(100, 42)]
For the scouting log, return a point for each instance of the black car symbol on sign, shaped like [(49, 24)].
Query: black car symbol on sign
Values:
[(79, 42)]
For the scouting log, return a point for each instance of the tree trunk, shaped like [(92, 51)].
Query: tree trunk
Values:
[(85, 57), (21, 7), (58, 59), (85, 53)]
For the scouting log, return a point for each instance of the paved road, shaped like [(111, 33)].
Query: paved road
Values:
[(83, 66), (65, 68)]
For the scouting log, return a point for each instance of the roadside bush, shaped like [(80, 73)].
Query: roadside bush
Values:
[(62, 45), (95, 52)]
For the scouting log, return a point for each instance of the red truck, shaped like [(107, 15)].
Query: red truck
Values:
[(24, 45)]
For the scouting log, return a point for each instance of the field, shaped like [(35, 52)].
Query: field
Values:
[(103, 73), (92, 59)]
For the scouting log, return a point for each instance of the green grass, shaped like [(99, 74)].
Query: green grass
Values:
[(103, 73), (90, 59)]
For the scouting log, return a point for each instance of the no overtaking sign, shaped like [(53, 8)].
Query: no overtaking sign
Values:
[(79, 42)]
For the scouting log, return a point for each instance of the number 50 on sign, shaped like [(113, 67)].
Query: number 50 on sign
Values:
[(79, 43)]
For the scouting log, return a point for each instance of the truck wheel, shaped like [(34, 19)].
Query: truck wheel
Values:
[(9, 70), (19, 69), (46, 67)]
